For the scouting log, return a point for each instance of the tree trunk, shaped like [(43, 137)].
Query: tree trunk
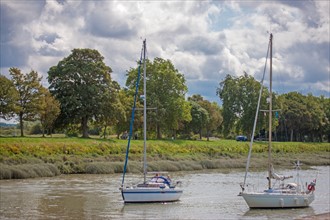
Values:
[(21, 123), (159, 135), (291, 135), (207, 135), (42, 128), (84, 127), (105, 129), (174, 134)]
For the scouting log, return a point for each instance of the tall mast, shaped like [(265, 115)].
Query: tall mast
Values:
[(270, 113), (132, 117), (255, 120), (144, 114)]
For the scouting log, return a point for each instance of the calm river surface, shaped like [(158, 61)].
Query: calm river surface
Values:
[(207, 195)]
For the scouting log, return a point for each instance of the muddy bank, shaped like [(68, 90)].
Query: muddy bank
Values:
[(80, 165), (40, 157)]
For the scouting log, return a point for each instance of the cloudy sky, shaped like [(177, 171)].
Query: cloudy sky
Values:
[(205, 40)]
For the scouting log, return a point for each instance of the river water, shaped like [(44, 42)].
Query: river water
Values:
[(207, 194)]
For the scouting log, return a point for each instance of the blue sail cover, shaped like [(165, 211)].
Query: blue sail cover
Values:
[(161, 179)]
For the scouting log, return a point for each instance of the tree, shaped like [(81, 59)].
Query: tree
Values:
[(228, 93), (248, 93), (304, 116), (80, 82), (240, 98), (126, 103), (8, 98), (314, 119), (200, 118), (213, 118), (50, 109), (28, 87), (166, 91), (325, 128), (294, 111), (112, 110)]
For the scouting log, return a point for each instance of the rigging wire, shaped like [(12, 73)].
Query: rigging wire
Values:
[(255, 121), (132, 117)]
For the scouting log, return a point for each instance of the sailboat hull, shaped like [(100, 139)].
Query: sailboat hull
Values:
[(145, 195), (277, 200)]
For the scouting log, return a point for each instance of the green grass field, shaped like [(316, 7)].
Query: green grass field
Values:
[(35, 156)]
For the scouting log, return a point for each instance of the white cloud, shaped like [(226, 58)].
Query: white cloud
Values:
[(204, 39)]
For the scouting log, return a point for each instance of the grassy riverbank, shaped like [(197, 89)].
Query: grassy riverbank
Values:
[(36, 157)]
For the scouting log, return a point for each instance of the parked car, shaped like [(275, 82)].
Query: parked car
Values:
[(241, 138)]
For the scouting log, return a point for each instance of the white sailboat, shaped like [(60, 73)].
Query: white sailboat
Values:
[(159, 188), (278, 194)]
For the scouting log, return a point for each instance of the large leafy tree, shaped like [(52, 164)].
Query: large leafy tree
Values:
[(315, 118), (80, 82), (123, 120), (304, 116), (240, 97), (49, 110), (294, 111), (166, 91), (112, 109), (228, 93), (325, 128), (28, 87), (200, 117), (215, 116), (213, 119), (8, 98)]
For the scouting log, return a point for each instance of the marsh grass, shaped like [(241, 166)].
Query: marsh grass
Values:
[(104, 167), (30, 157), (24, 171)]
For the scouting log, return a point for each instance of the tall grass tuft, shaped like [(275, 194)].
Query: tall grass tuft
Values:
[(28, 171), (30, 157), (104, 167)]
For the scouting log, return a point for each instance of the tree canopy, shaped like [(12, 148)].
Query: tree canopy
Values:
[(303, 116), (81, 82), (240, 98), (28, 87), (81, 86), (205, 115), (166, 91), (8, 98), (298, 117), (49, 110)]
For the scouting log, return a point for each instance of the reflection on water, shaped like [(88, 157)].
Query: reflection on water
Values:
[(207, 195), (279, 214)]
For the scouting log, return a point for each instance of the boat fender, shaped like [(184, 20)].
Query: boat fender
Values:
[(296, 201), (311, 187), (282, 203)]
